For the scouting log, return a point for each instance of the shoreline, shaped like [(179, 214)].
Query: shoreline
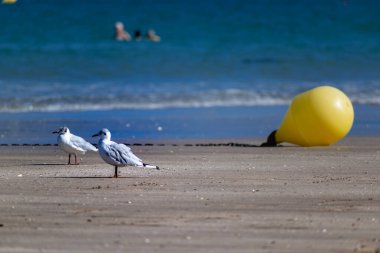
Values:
[(204, 199), (216, 142), (229, 123)]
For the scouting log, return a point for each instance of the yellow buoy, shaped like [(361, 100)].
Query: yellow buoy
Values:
[(318, 117)]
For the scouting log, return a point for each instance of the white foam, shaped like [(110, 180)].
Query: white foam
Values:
[(230, 97), (141, 105)]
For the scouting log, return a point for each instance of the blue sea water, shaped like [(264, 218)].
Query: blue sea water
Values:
[(223, 69)]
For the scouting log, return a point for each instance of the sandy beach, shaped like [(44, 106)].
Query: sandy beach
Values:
[(197, 103), (204, 199)]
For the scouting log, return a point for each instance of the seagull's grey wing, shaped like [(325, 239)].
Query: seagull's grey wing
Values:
[(82, 143), (127, 151), (123, 154)]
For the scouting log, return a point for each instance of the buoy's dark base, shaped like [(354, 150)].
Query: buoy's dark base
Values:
[(271, 140)]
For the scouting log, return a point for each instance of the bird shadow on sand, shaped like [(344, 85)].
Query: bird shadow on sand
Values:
[(49, 164), (91, 177)]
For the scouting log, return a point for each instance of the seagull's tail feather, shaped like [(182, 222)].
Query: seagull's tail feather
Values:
[(91, 147), (150, 166)]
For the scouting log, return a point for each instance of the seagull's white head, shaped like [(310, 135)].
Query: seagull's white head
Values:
[(104, 134), (62, 130)]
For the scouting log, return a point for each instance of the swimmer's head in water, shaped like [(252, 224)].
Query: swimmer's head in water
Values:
[(119, 25)]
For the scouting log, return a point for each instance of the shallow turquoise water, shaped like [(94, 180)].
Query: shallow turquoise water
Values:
[(218, 123)]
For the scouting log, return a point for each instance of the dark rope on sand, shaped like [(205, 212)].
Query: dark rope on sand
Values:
[(271, 142), (228, 144)]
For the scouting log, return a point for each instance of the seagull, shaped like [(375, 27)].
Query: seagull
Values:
[(118, 154), (72, 144)]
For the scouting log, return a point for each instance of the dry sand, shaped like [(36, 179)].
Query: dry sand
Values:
[(205, 199)]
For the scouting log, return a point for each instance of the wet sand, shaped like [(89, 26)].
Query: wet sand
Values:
[(204, 199)]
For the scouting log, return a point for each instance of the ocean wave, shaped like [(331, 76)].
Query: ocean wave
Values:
[(227, 98), (82, 106)]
